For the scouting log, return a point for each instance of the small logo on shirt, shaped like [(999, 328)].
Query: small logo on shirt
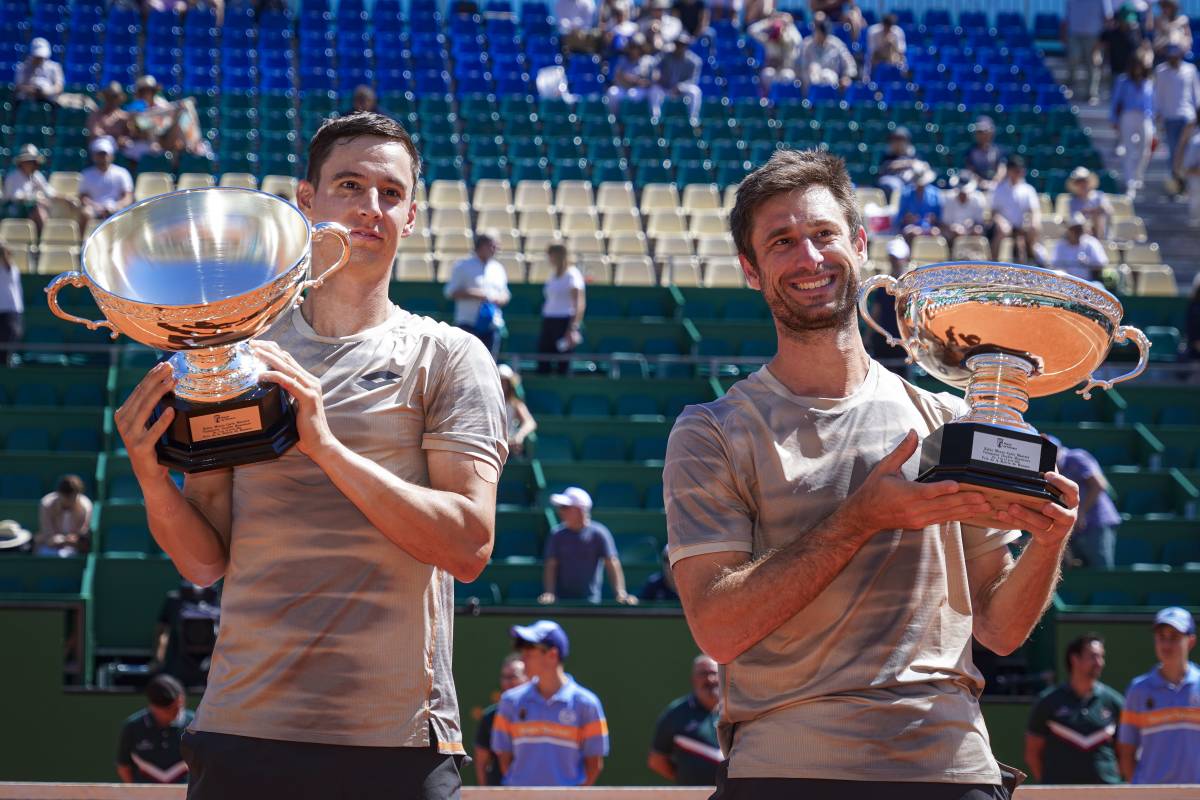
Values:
[(567, 717), (521, 714), (373, 380)]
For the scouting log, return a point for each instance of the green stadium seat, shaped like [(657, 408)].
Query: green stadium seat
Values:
[(1133, 551), (126, 539), (20, 487), (654, 496), (637, 548), (35, 394), (518, 543), (1180, 552), (84, 440), (616, 494), (124, 487), (36, 439), (589, 405), (550, 447), (1112, 597), (1162, 599), (637, 405), (84, 394), (486, 592), (522, 591), (602, 447), (649, 448)]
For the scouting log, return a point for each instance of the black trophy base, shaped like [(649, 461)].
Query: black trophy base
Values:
[(258, 425), (1004, 465)]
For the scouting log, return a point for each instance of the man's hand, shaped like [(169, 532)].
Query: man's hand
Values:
[(546, 598), (888, 501), (131, 419), (305, 388), (1049, 524)]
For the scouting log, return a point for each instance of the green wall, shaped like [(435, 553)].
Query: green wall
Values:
[(636, 663)]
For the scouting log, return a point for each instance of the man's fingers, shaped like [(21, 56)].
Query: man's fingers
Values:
[(149, 391), (292, 385), (931, 491), (161, 424), (1069, 489)]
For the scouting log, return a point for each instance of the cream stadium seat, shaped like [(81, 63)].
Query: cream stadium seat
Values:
[(238, 180), (65, 184), (196, 180), (665, 223), (453, 244), (1128, 230), (673, 246), (534, 196), (449, 219), (492, 194), (870, 195), (501, 219), (1145, 253), (723, 272), (151, 184), (709, 246), (596, 270), (507, 241), (615, 196), (514, 266), (1047, 203), (419, 242), (22, 258), (707, 223), (56, 258), (60, 231), (585, 244), (281, 186), (730, 198), (1053, 228), (536, 243), (449, 195), (659, 197), (622, 221), (18, 232), (1156, 281), (682, 272), (578, 221), (1122, 206), (627, 244), (414, 267), (701, 197), (573, 195), (634, 271), (970, 248), (540, 270), (930, 248), (1062, 205), (538, 220)]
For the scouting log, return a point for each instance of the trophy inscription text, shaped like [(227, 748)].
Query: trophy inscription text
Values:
[(226, 423), (1005, 452)]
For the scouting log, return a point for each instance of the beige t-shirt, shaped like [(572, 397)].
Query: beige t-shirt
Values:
[(331, 633), (874, 679)]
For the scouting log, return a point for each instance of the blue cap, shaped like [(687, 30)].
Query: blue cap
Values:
[(1178, 618), (543, 631)]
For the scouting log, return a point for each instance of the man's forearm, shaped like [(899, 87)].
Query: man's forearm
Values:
[(441, 528), (616, 576), (184, 533), (1014, 602)]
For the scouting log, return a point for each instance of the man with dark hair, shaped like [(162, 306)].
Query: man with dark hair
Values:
[(487, 766), (1073, 725), (332, 672), (478, 286), (840, 595), (685, 749), (149, 746)]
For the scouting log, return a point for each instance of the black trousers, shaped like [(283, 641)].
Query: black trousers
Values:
[(553, 329), (813, 789), (226, 767)]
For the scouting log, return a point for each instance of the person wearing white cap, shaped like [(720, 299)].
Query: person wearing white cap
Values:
[(13, 537), (1079, 253), (26, 190), (1159, 737), (39, 77), (104, 187), (520, 421), (1087, 199), (964, 208), (576, 551)]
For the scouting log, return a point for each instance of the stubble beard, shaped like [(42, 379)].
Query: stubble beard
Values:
[(801, 322)]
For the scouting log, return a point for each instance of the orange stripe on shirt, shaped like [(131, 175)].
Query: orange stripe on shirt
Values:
[(1160, 716), (535, 728), (501, 724), (597, 728)]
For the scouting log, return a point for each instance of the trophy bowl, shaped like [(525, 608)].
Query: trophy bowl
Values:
[(1003, 333), (199, 272)]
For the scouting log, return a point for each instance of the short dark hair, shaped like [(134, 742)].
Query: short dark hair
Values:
[(1076, 646), (362, 123), (789, 171), (890, 19), (70, 484), (821, 26), (163, 690)]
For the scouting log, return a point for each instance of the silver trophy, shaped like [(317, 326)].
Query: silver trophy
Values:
[(1003, 333), (201, 272)]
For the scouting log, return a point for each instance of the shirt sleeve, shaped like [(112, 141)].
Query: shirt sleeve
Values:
[(466, 414), (664, 735), (706, 512), (125, 746), (1130, 730), (981, 541), (1038, 716), (593, 729), (608, 546), (126, 181), (576, 278), (551, 547), (455, 282), (502, 727), (483, 736)]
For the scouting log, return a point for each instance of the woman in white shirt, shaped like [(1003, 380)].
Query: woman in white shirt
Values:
[(26, 190), (562, 311)]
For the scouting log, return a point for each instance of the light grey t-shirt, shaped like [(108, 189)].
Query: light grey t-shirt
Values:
[(331, 633), (874, 679)]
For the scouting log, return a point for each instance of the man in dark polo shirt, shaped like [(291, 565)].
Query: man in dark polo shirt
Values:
[(1073, 725), (149, 748), (685, 748), (487, 766)]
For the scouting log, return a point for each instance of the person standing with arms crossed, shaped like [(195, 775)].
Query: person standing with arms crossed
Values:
[(332, 671), (840, 596)]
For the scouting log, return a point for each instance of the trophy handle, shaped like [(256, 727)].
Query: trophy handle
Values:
[(76, 279), (343, 236), (888, 284), (1122, 336)]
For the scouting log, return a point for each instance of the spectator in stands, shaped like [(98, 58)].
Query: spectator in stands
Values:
[(1190, 167), (1073, 725), (1125, 43), (1191, 347), (14, 538), (577, 550), (1176, 96), (565, 301), (1171, 28), (1087, 199), (520, 422), (657, 25), (678, 72), (147, 103), (1016, 212), (577, 24), (781, 41), (660, 586), (64, 520), (38, 77), (364, 99), (1159, 739), (1079, 253), (550, 731), (693, 15), (685, 749), (1094, 539), (149, 746), (104, 188), (616, 29), (110, 119), (919, 212), (886, 44), (12, 307), (1082, 25), (634, 73), (964, 209), (984, 160), (1133, 117), (478, 286), (825, 60), (187, 632), (899, 164), (487, 766), (27, 193)]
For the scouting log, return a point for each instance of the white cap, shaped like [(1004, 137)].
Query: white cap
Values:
[(39, 48), (572, 496), (103, 144), (505, 371)]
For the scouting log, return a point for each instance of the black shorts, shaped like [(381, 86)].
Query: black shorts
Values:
[(813, 789), (226, 767)]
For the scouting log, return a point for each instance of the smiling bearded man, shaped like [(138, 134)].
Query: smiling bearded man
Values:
[(332, 673), (839, 595)]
